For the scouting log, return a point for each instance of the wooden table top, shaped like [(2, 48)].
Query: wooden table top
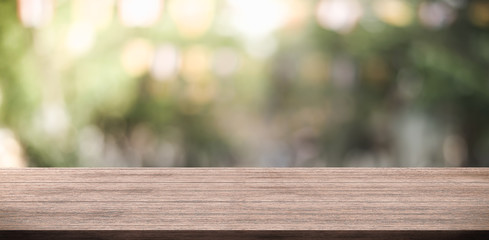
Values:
[(302, 201)]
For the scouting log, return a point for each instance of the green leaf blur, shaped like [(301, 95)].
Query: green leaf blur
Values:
[(378, 83)]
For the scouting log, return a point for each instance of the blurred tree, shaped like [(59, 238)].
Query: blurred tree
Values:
[(293, 83)]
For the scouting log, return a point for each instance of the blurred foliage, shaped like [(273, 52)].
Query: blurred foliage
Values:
[(382, 83)]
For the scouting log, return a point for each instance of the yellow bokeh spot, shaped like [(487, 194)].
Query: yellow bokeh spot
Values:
[(479, 13), (136, 57), (196, 63), (98, 13), (192, 17), (297, 13), (394, 12)]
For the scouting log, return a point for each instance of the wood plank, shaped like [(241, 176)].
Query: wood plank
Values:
[(244, 235), (338, 201), (245, 216), (233, 175), (277, 191)]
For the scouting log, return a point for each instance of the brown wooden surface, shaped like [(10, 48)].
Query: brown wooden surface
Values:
[(244, 235), (305, 200)]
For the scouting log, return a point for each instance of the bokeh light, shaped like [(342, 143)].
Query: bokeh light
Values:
[(136, 13), (164, 83), (257, 18), (35, 13), (394, 12), (80, 38), (97, 13), (196, 63), (166, 62), (339, 15), (192, 17), (479, 13), (137, 56), (11, 152), (436, 14)]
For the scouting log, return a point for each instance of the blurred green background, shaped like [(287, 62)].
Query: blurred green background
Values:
[(264, 83)]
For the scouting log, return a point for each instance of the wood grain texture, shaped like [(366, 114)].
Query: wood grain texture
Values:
[(244, 235), (290, 201)]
